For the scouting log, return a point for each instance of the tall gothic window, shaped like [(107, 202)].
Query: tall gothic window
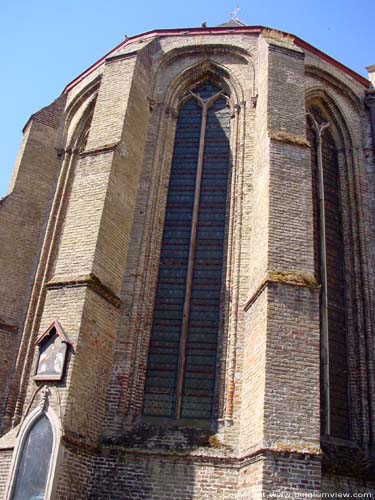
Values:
[(330, 271), (34, 463), (182, 355)]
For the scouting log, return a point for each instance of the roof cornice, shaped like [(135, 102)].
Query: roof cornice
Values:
[(219, 30)]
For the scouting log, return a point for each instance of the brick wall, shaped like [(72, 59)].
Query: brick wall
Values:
[(101, 277), (23, 215), (75, 473), (5, 460), (336, 483), (141, 477), (292, 474)]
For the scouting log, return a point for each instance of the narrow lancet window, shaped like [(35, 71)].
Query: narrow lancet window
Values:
[(182, 355), (34, 463), (330, 271)]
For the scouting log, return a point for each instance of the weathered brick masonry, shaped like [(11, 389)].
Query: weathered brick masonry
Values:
[(280, 361)]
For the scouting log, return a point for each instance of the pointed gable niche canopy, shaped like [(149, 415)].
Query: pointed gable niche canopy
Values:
[(52, 345)]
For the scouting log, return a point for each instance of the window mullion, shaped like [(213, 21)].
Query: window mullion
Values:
[(325, 354)]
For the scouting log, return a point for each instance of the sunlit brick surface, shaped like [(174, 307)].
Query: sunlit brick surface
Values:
[(88, 237)]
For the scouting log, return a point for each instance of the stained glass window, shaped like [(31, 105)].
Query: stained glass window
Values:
[(182, 355), (33, 467), (327, 212)]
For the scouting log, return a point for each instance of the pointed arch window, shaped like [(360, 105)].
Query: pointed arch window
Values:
[(181, 368), (34, 463), (329, 256)]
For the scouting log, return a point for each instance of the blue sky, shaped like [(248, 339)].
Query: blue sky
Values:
[(45, 44)]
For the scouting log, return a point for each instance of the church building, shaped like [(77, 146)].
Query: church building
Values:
[(187, 274)]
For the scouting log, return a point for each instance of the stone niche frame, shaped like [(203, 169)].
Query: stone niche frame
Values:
[(53, 359)]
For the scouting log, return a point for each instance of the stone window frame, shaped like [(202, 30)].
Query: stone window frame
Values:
[(166, 119), (56, 453), (348, 142)]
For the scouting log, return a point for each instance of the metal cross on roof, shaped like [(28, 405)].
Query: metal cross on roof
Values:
[(235, 13)]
